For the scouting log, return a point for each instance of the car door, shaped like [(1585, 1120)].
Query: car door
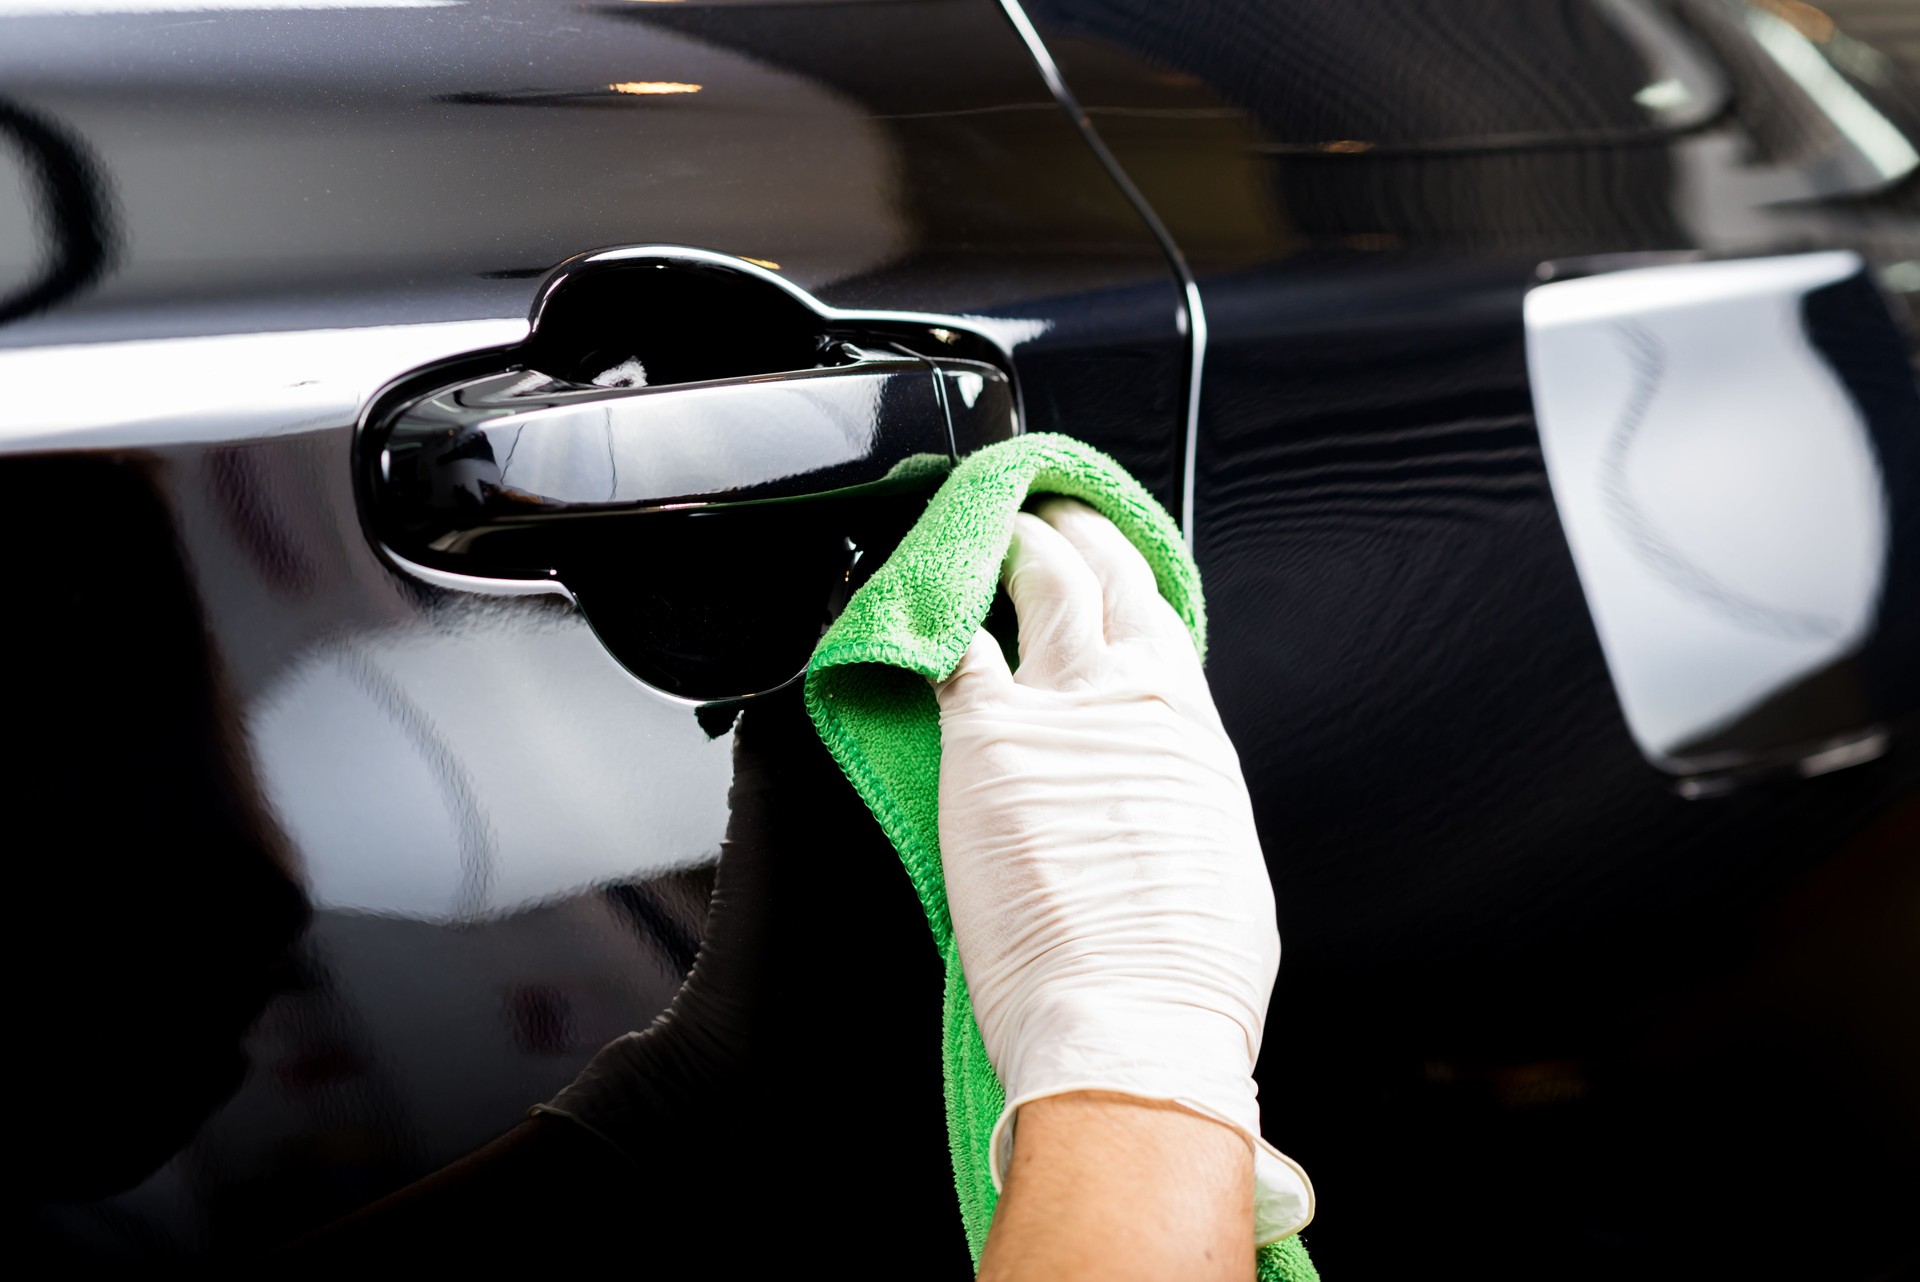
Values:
[(343, 849), (427, 828), (1591, 825)]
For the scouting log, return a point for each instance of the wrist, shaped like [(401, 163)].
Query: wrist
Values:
[(1149, 1188), (1167, 1056), (1136, 1119)]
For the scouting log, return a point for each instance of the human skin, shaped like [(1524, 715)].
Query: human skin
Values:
[(1116, 1188)]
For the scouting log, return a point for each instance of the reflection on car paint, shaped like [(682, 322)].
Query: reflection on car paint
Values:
[(494, 818), (142, 393), (1481, 881), (427, 774), (1724, 496)]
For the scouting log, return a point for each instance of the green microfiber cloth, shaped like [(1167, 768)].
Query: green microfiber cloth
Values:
[(868, 693)]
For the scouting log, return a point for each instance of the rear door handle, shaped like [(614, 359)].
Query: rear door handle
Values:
[(516, 447), (707, 460)]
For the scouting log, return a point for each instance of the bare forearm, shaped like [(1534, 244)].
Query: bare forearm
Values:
[(1114, 1188)]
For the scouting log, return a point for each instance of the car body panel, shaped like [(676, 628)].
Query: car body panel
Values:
[(227, 234), (1556, 985), (1520, 959)]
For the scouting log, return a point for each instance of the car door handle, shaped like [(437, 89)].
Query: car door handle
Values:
[(704, 458), (512, 448)]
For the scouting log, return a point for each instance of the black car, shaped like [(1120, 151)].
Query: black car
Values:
[(436, 431)]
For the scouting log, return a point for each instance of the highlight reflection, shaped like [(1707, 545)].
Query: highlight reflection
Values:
[(1721, 491), (654, 87)]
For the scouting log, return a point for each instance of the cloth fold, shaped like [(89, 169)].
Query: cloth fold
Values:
[(867, 690)]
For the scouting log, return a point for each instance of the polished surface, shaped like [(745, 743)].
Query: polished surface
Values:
[(371, 167), (756, 452), (166, 897), (1725, 499), (224, 234), (1265, 133), (1533, 973), (727, 394), (524, 446)]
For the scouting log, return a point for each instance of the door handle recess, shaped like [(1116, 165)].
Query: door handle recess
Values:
[(708, 515)]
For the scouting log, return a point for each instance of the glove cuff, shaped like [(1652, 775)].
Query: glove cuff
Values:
[(573, 1118), (617, 1096), (1283, 1200)]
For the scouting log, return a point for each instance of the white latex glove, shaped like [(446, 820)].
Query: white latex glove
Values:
[(1109, 898)]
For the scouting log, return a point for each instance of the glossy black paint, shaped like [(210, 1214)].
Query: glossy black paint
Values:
[(887, 157), (1843, 324), (683, 415), (1853, 620), (79, 235), (263, 219), (163, 918), (1559, 1017), (1530, 975), (890, 404)]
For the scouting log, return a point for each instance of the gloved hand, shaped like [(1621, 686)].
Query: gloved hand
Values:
[(1109, 898), (643, 1091), (716, 1104)]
